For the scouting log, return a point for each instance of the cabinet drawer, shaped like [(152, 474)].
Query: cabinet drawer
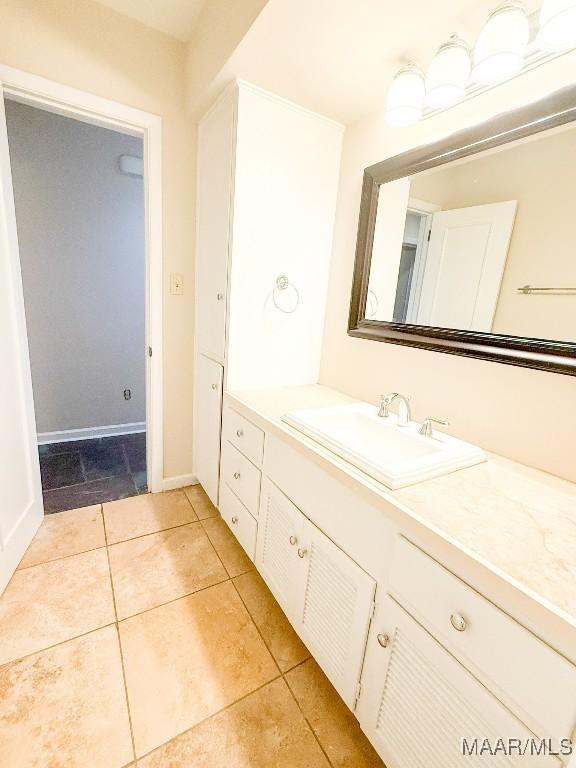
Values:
[(248, 438), (239, 520), (241, 476), (522, 670)]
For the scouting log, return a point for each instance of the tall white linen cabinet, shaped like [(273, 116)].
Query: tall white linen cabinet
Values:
[(267, 184)]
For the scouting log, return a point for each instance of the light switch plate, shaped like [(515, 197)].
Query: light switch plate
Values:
[(176, 283)]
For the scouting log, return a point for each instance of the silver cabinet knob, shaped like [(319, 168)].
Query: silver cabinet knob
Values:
[(236, 475), (383, 640), (234, 520), (302, 553), (293, 540), (214, 386), (458, 622), (239, 433), (220, 296)]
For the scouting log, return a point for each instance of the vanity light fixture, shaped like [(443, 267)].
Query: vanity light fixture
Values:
[(448, 74), (501, 46), (557, 25), (405, 99)]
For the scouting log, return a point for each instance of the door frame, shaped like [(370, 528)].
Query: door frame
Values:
[(70, 102)]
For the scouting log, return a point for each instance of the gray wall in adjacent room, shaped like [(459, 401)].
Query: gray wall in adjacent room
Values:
[(81, 236)]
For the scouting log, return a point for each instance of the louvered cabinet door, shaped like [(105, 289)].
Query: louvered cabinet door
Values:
[(279, 533), (334, 608), (418, 703)]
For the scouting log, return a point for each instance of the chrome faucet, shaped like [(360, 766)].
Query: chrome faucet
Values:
[(403, 408), (426, 428)]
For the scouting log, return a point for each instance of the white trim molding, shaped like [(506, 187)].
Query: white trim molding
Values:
[(89, 433), (178, 481), (81, 105)]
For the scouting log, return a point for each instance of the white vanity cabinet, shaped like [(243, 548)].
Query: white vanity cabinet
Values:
[(419, 703), (209, 377), (268, 175), (423, 659), (328, 598), (214, 200)]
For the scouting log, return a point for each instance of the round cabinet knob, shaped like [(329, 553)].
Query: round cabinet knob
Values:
[(383, 640), (236, 475), (293, 540), (302, 553), (234, 520), (458, 622), (214, 386), (220, 296), (239, 433)]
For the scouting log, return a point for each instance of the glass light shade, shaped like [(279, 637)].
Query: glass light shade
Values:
[(448, 74), (501, 46), (405, 98), (557, 25)]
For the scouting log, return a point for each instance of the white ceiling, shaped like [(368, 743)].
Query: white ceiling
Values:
[(173, 17)]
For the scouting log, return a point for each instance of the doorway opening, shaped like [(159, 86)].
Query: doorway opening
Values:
[(80, 213)]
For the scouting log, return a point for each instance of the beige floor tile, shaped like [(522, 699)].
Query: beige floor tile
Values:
[(335, 726), (153, 569), (66, 533), (235, 560), (53, 602), (187, 660), (200, 501), (149, 513), (281, 639), (66, 707), (264, 730)]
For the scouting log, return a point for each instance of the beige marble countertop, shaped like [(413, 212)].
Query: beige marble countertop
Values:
[(519, 521)]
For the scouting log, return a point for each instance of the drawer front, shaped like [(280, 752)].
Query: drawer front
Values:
[(239, 520), (241, 476), (523, 671), (248, 438)]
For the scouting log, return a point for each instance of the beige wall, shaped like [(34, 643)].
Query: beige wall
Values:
[(527, 415), (220, 29), (84, 45), (539, 174)]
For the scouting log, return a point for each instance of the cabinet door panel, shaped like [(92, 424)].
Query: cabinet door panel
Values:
[(419, 703), (279, 524), (335, 600), (215, 160), (208, 423)]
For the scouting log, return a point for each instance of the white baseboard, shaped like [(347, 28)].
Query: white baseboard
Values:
[(87, 433), (178, 481)]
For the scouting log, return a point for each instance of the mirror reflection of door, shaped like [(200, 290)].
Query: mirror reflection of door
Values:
[(413, 261), (465, 262)]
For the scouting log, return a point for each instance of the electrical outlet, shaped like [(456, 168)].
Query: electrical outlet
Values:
[(127, 394), (176, 283)]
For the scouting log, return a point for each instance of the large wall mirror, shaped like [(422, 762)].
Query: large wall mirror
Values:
[(468, 246)]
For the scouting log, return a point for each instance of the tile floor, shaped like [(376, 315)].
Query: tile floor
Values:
[(84, 472), (137, 633)]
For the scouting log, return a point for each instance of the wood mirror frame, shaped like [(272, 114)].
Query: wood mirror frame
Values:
[(556, 356)]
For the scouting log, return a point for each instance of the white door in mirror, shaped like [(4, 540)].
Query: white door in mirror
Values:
[(464, 266)]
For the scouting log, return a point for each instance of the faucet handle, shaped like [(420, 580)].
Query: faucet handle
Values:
[(385, 401), (426, 428)]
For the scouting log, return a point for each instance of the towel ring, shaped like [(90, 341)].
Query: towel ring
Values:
[(283, 284), (371, 305)]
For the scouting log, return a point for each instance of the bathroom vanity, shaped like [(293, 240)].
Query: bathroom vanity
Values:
[(440, 611), (433, 583)]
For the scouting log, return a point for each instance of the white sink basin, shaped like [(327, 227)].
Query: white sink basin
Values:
[(396, 456)]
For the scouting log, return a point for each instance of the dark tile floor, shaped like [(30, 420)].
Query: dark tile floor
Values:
[(83, 472)]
